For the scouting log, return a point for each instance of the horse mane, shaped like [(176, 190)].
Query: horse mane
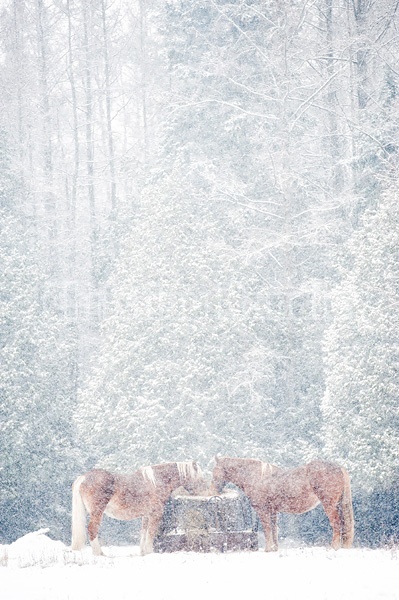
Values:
[(267, 469), (189, 469), (148, 475)]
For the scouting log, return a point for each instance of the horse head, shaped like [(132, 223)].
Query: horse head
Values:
[(219, 479)]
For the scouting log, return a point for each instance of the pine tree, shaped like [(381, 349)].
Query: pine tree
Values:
[(242, 80), (183, 371), (36, 379), (360, 408)]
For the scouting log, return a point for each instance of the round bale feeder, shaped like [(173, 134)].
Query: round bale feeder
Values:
[(222, 523)]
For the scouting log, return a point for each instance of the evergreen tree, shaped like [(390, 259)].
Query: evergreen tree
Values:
[(36, 381), (240, 77), (183, 370), (360, 408)]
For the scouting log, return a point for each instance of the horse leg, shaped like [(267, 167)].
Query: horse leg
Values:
[(143, 536), (333, 514), (273, 522), (269, 529), (92, 530), (346, 513), (331, 485), (153, 521)]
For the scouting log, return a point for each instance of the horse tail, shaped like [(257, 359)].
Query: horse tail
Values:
[(346, 512), (78, 516)]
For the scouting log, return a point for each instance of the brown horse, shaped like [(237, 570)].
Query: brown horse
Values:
[(271, 490), (126, 497)]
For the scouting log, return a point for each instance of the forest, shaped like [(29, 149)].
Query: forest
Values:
[(199, 244)]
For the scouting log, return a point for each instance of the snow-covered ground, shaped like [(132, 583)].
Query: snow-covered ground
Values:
[(38, 568)]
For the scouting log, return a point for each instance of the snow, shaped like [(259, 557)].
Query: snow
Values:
[(38, 568)]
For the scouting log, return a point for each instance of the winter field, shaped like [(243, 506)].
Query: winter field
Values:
[(38, 568)]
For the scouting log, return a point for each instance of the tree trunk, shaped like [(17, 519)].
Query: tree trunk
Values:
[(111, 150)]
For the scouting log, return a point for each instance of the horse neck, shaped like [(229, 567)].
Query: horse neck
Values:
[(235, 474)]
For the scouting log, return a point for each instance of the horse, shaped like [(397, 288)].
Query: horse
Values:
[(126, 497), (271, 490)]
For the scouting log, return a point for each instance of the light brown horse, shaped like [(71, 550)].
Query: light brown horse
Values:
[(126, 497), (272, 490)]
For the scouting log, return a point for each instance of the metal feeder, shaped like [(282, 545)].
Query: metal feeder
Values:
[(207, 524)]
